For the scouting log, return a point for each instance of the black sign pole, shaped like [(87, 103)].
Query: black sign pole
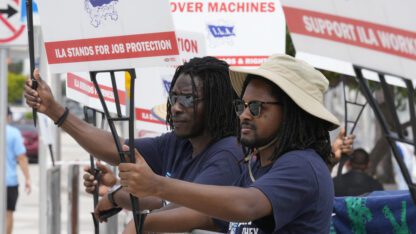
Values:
[(344, 157), (90, 116), (392, 136), (137, 216)]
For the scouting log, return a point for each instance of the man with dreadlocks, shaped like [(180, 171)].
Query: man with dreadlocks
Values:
[(201, 148), (286, 187)]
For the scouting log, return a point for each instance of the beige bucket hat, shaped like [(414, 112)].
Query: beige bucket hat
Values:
[(303, 83)]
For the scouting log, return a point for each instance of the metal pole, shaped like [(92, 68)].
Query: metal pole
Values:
[(3, 104), (49, 214), (73, 204), (43, 187), (57, 92)]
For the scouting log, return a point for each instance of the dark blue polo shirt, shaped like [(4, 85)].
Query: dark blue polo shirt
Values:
[(300, 190), (171, 156)]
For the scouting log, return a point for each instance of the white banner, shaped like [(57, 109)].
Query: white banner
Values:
[(107, 34), (242, 32), (380, 35)]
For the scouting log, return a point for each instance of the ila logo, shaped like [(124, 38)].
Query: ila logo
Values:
[(221, 33)]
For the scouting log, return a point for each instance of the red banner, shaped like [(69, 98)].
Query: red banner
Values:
[(243, 60), (359, 33), (107, 48), (87, 87), (147, 116)]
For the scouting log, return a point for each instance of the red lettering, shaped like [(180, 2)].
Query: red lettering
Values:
[(189, 7)]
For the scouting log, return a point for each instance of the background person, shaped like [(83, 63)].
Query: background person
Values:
[(15, 154), (356, 181)]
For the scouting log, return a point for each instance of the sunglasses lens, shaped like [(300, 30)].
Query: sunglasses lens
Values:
[(238, 107), (184, 100), (172, 99), (254, 108)]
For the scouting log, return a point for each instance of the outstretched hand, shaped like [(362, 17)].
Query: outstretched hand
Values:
[(343, 144), (137, 178), (41, 98)]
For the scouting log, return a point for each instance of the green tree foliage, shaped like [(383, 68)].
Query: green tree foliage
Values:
[(15, 85)]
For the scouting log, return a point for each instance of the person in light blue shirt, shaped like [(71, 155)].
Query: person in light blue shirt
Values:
[(15, 154)]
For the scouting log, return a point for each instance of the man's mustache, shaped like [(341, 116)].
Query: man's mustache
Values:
[(248, 125)]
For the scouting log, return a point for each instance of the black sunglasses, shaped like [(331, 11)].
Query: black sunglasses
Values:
[(186, 101), (253, 106)]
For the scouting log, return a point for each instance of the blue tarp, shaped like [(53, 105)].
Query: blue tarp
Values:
[(378, 212)]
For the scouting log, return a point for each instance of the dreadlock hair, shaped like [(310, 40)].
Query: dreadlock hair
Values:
[(299, 130), (219, 115)]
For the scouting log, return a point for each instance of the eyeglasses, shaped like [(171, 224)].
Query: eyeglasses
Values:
[(185, 100), (253, 106)]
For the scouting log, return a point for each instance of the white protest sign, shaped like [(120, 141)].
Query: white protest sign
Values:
[(190, 44), (79, 88), (152, 86), (107, 34), (243, 33), (152, 90), (380, 35)]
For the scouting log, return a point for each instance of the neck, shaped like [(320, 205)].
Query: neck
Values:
[(265, 155), (199, 143), (265, 152)]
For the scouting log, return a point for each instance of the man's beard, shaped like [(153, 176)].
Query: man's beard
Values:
[(255, 141)]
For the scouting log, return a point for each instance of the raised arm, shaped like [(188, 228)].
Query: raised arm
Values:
[(97, 142)]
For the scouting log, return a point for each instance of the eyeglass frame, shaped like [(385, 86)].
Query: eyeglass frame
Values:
[(247, 104), (183, 97)]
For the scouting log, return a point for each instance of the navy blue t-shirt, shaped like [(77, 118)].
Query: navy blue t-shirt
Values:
[(300, 190), (171, 156)]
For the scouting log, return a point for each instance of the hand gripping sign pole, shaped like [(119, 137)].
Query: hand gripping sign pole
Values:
[(29, 11), (395, 133), (137, 215), (344, 157), (90, 116)]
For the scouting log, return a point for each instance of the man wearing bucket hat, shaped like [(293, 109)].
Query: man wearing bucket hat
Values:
[(286, 187)]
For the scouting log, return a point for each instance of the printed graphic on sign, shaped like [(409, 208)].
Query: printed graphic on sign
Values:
[(221, 33), (79, 88), (107, 34), (243, 33), (348, 33), (12, 28), (159, 111), (152, 86), (101, 10)]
